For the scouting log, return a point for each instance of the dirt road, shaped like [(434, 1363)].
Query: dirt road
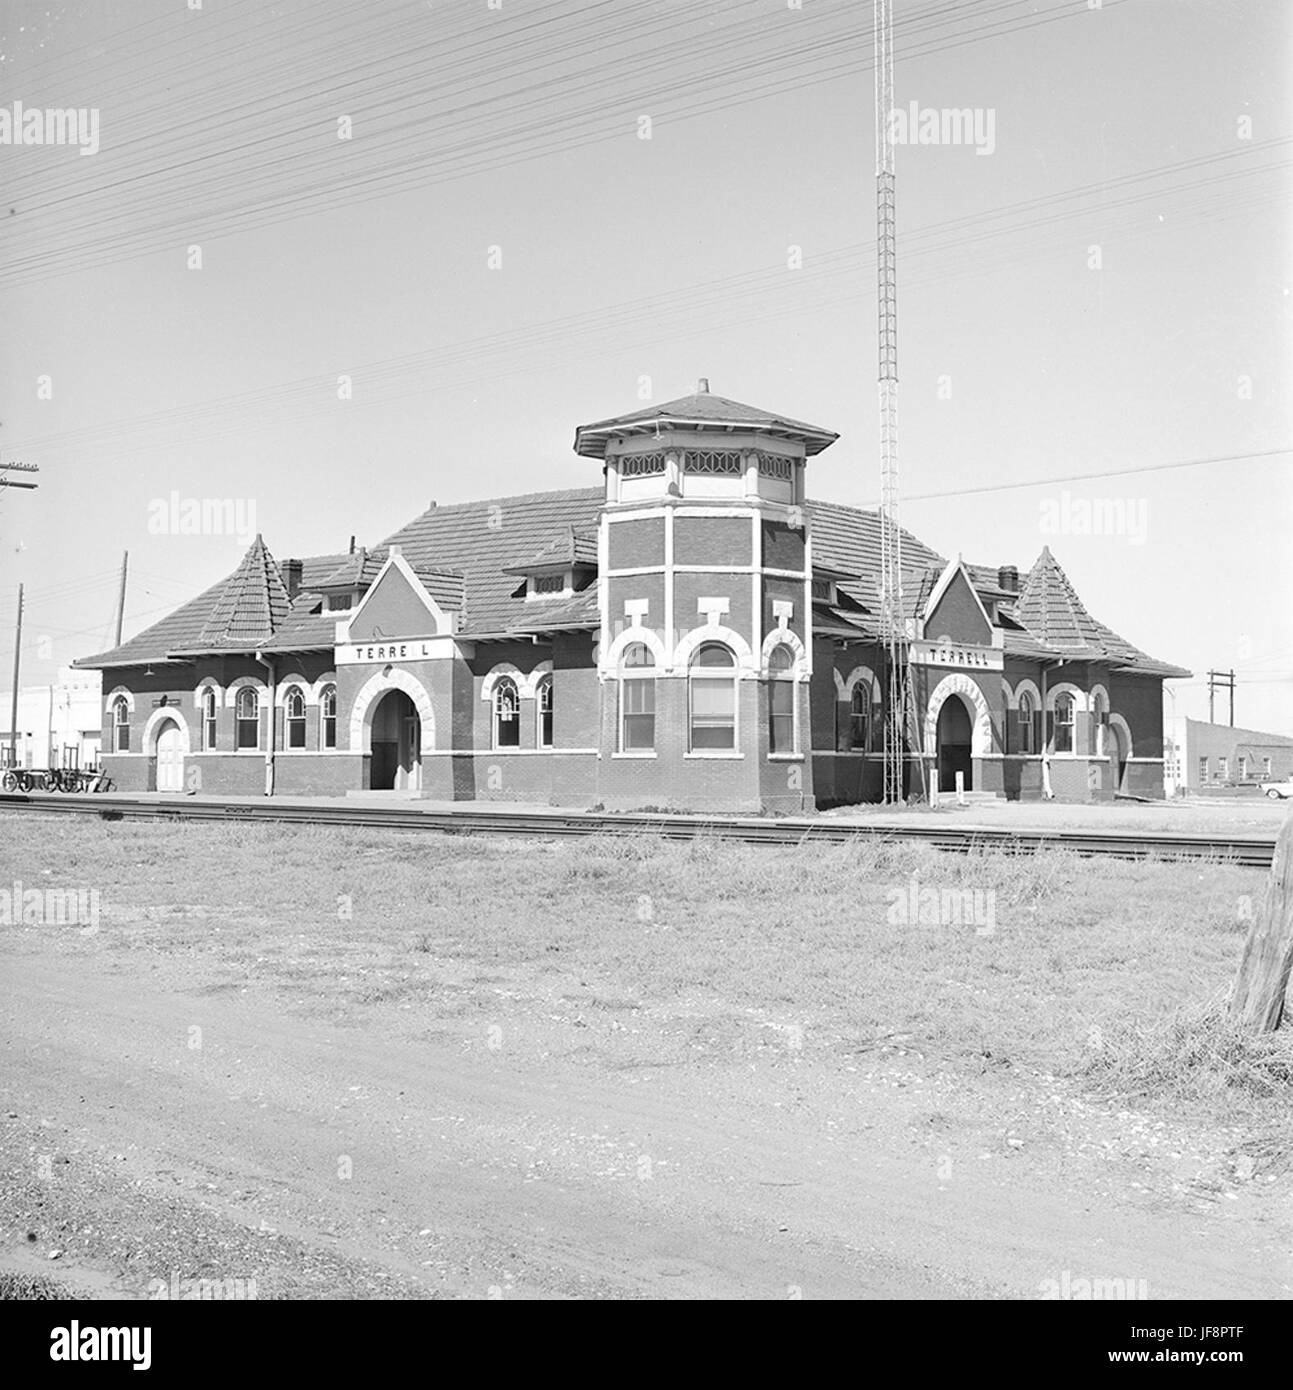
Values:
[(388, 1160)]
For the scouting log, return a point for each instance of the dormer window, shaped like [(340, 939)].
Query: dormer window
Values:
[(824, 590), (558, 585), (342, 603)]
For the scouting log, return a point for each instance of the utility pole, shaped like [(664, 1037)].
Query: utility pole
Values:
[(1221, 680), (13, 703), (18, 468), (121, 596)]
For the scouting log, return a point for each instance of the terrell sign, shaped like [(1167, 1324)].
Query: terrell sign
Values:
[(955, 654), (411, 649)]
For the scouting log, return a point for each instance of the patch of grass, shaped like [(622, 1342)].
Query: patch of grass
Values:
[(1194, 1053), (813, 936), (16, 1287)]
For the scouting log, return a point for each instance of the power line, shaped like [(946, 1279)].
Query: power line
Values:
[(828, 268), (717, 69), (1107, 473)]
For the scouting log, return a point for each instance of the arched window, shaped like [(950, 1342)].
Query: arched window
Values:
[(543, 712), (328, 717), (1026, 715), (121, 725), (711, 684), (781, 700), (295, 711), (860, 717), (209, 725), (507, 711), (1064, 718), (1099, 721), (637, 699), (246, 711)]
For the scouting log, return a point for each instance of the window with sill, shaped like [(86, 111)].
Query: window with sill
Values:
[(637, 699), (295, 714), (1027, 717), (247, 718), (543, 703), (642, 465), (711, 689), (781, 700), (860, 717), (121, 725), (507, 714), (1065, 715), (726, 463), (328, 717), (209, 725)]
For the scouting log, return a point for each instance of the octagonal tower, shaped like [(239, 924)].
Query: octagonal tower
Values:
[(705, 573)]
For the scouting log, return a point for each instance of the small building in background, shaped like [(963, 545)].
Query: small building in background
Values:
[(1203, 757), (59, 724)]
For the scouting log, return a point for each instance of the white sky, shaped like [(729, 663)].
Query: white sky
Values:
[(1157, 130)]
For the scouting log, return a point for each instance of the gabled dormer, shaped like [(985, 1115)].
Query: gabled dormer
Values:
[(343, 589), (560, 569), (401, 602), (954, 612)]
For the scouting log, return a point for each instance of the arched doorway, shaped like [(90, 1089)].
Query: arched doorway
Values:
[(168, 751), (396, 744), (955, 736)]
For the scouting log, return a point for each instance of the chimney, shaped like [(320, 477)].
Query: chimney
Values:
[(702, 386), (431, 505), (351, 551), (1008, 578), (292, 577)]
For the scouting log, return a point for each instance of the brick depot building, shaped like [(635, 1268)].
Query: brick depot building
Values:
[(694, 634)]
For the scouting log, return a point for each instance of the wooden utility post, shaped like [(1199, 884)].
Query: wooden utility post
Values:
[(17, 671), (1263, 980), (121, 596)]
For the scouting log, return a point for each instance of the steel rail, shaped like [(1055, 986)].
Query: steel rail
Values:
[(1255, 853)]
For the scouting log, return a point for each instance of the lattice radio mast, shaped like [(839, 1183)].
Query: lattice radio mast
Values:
[(898, 712)]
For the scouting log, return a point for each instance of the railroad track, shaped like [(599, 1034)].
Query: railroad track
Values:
[(1257, 853)]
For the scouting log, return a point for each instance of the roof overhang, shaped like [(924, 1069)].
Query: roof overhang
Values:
[(591, 440)]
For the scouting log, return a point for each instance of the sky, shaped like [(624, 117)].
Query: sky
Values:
[(329, 262)]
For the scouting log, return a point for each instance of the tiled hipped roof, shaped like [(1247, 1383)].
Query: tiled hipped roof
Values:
[(250, 606), (480, 539), (1051, 610), (472, 558)]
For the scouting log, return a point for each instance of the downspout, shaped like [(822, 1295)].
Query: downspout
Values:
[(1047, 793), (268, 664)]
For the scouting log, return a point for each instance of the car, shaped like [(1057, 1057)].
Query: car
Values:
[(1279, 790)]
